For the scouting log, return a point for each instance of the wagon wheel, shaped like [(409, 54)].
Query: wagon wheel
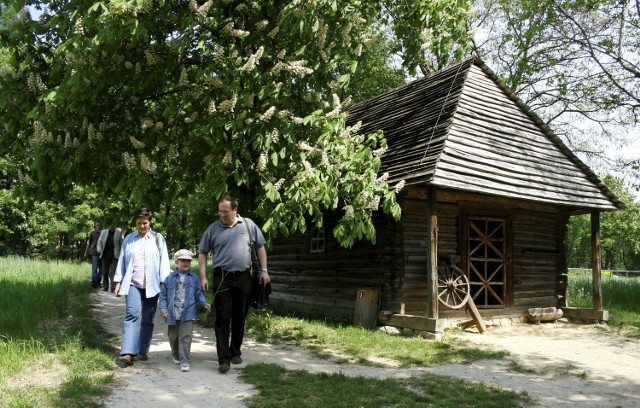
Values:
[(453, 287)]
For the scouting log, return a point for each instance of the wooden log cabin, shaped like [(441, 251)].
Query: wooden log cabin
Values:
[(489, 187)]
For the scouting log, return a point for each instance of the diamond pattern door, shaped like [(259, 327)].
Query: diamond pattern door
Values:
[(486, 260)]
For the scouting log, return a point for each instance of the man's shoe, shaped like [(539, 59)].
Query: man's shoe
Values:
[(176, 360), (184, 368), (143, 357), (105, 289), (223, 368), (236, 360), (125, 360)]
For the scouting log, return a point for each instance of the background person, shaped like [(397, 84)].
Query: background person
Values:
[(109, 245), (91, 249), (228, 241), (142, 265), (180, 294)]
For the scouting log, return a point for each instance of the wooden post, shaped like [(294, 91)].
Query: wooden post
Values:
[(432, 254), (596, 271)]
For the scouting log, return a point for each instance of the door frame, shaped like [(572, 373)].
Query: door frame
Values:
[(472, 209)]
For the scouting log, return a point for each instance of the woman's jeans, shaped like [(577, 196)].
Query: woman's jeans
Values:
[(137, 328)]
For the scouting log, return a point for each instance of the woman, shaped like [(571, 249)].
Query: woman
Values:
[(142, 265)]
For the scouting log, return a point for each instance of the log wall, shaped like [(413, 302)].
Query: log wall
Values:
[(327, 283)]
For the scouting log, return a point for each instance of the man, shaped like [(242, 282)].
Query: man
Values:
[(91, 249), (109, 244), (228, 241)]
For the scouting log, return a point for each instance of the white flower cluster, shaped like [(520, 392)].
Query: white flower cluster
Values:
[(274, 32), (345, 34), (204, 9), (336, 107), (374, 203), (268, 114), (35, 84), (228, 28), (241, 7), (279, 184), (69, 142), (184, 78), (208, 159), (282, 54), (212, 106), (151, 57), (261, 25), (40, 135), (228, 105), (308, 168), (78, 28), (275, 136), (136, 143), (322, 35), (348, 211), (146, 123), (128, 65), (191, 119), (297, 68), (305, 146), (383, 178), (129, 161), (147, 165), (379, 152), (215, 81), (25, 179), (219, 54), (399, 186), (350, 130), (227, 159), (159, 125), (325, 159), (262, 163)]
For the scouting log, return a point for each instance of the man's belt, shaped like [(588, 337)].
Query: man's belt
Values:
[(220, 270)]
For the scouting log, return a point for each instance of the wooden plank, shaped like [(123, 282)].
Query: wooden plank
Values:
[(596, 272), (411, 322), (475, 315), (590, 314), (432, 261)]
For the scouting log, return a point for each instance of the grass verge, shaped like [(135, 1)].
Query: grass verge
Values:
[(53, 353), (279, 387)]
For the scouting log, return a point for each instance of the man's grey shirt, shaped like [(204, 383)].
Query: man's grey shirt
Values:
[(229, 246)]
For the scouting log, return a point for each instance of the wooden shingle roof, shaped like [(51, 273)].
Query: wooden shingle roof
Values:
[(462, 128)]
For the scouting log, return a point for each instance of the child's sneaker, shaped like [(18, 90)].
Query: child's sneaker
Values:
[(185, 368)]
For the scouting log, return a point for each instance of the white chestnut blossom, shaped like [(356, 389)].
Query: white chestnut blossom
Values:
[(267, 114), (399, 186)]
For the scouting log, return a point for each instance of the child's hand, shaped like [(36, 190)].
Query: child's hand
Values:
[(164, 315), (207, 308)]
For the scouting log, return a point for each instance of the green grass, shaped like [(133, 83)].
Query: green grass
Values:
[(279, 387), (355, 344), (53, 353), (621, 298)]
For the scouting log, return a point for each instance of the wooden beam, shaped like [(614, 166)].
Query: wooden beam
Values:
[(411, 322), (596, 271), (577, 313), (432, 254)]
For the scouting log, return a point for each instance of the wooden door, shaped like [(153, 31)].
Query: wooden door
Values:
[(487, 260)]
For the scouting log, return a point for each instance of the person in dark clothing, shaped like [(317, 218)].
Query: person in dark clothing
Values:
[(109, 245), (91, 249), (228, 241)]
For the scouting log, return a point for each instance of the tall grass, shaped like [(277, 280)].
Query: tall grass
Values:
[(620, 297), (46, 321)]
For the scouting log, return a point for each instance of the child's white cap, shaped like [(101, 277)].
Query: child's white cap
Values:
[(183, 254)]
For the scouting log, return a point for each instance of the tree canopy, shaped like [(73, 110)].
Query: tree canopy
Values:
[(156, 100)]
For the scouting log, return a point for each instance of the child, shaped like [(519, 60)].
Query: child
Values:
[(179, 294)]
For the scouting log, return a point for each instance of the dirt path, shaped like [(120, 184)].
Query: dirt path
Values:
[(565, 364)]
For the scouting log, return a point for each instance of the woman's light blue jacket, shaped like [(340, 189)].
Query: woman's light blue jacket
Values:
[(157, 266), (192, 295)]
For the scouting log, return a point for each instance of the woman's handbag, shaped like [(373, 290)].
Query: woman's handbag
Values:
[(259, 295)]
